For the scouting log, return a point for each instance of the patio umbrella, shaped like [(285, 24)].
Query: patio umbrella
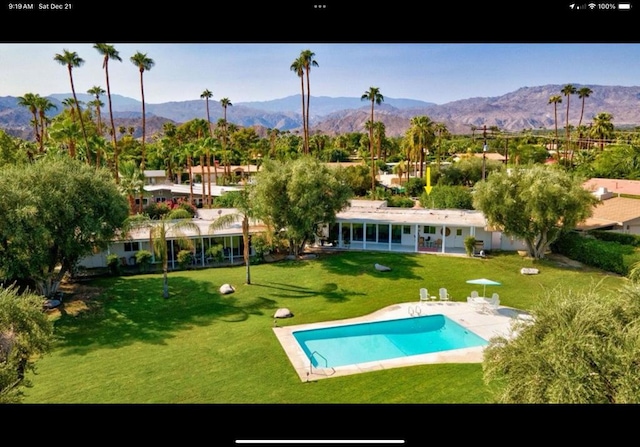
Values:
[(484, 282)]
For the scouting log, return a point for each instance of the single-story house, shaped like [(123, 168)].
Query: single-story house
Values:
[(229, 238), (613, 212)]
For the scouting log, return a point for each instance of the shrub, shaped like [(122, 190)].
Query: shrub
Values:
[(143, 259), (215, 252), (185, 258), (469, 245), (113, 262)]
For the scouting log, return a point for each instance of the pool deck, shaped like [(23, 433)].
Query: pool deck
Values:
[(486, 324)]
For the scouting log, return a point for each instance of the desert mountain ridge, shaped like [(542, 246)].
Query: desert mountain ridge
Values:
[(525, 108)]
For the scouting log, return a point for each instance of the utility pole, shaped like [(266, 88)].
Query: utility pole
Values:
[(484, 152)]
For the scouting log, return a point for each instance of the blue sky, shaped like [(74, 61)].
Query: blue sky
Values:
[(438, 73)]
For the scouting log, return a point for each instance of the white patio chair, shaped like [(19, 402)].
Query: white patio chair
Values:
[(424, 295), (444, 294), (493, 303)]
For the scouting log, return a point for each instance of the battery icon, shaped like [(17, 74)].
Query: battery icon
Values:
[(624, 5)]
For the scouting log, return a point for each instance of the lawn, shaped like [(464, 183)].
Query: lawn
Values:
[(129, 345)]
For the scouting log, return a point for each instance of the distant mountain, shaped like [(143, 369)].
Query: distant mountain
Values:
[(525, 108)]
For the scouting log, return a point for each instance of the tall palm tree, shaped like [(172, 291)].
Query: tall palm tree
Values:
[(72, 60), (110, 53), (143, 63), (555, 100), (297, 66), (225, 103), (567, 91), (131, 183), (373, 95), (308, 61), (208, 95), (175, 223), (583, 94), (97, 91)]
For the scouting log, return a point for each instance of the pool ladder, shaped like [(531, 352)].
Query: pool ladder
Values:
[(326, 362), (415, 310)]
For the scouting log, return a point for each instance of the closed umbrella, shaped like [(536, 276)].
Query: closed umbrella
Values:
[(484, 282)]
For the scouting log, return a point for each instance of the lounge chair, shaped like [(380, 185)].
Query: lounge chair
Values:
[(492, 303), (474, 294), (444, 294), (424, 294)]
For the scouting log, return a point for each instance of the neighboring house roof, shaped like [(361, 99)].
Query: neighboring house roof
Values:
[(377, 211), (199, 169), (613, 211), (197, 189), (616, 186), (155, 173), (488, 155)]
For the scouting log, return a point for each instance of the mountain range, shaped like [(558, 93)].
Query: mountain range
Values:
[(525, 108)]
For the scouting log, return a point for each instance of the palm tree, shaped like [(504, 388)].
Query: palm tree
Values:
[(30, 101), (602, 128), (97, 91), (583, 94), (297, 66), (110, 53), (175, 223), (555, 100), (308, 61), (373, 95), (143, 63), (423, 134), (43, 105), (131, 183), (224, 102), (72, 60), (567, 91), (208, 95), (245, 215)]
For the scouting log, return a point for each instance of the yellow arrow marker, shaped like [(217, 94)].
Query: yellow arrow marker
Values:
[(428, 187)]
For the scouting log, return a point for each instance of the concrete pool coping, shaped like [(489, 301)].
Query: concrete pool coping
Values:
[(484, 324)]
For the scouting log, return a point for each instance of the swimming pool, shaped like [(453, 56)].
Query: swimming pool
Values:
[(350, 344)]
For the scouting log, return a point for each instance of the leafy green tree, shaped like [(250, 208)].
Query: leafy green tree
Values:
[(297, 196), (11, 150), (68, 209), (448, 197), (580, 348), (534, 203), (26, 333), (175, 223)]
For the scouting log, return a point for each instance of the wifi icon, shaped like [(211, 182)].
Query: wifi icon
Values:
[(592, 5)]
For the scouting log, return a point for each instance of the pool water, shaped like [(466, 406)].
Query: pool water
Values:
[(384, 340)]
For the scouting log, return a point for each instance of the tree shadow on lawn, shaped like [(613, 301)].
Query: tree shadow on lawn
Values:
[(133, 310), (353, 263), (332, 292)]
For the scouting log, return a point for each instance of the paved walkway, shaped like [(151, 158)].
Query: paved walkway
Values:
[(484, 324)]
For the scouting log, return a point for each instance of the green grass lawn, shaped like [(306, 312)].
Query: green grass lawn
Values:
[(129, 345)]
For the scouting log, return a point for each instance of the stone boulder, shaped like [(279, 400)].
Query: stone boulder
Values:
[(382, 268), (226, 289), (283, 313)]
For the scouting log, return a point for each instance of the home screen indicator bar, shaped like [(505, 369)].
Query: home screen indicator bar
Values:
[(320, 441)]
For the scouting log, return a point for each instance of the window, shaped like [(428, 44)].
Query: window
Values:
[(371, 233), (406, 229), (383, 233), (428, 229), (458, 231), (357, 232), (396, 233), (131, 246)]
